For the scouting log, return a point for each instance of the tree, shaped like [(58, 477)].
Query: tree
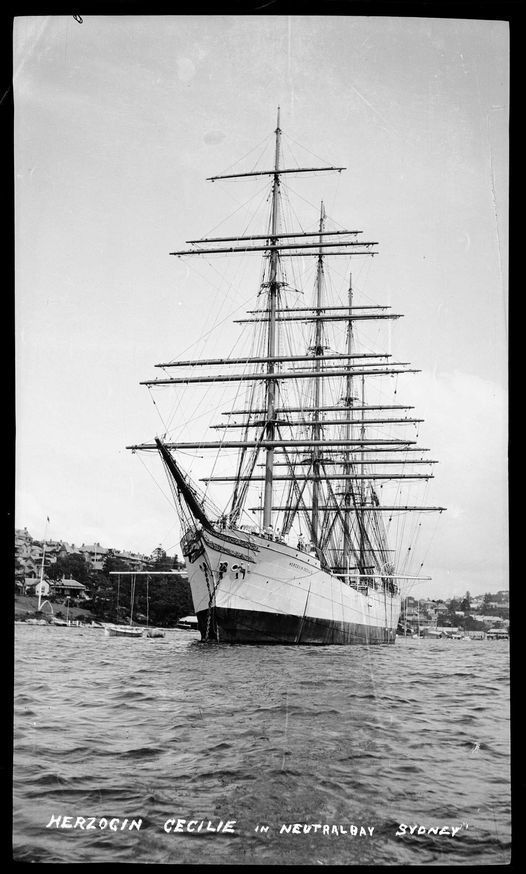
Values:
[(473, 624), (165, 562), (114, 563), (169, 599), (466, 603), (74, 565)]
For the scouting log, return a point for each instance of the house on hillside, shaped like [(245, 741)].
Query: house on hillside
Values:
[(476, 600), (133, 560), (25, 584), (95, 554), (35, 586), (42, 588), (69, 588), (29, 567), (490, 621)]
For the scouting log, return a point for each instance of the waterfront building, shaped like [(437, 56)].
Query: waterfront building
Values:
[(69, 588)]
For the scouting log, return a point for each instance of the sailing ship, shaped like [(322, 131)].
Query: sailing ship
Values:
[(312, 563)]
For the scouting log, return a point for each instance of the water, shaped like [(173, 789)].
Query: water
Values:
[(165, 729)]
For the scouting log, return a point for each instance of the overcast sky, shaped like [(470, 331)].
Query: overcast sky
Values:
[(118, 122)]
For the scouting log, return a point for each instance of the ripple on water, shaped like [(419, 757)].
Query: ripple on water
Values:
[(417, 733)]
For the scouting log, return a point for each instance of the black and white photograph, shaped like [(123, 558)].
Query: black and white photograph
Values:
[(261, 606)]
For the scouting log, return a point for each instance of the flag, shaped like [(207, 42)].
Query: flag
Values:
[(47, 517)]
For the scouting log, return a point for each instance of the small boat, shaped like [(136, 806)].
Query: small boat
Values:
[(188, 622), (123, 631), (433, 633), (154, 632), (130, 630)]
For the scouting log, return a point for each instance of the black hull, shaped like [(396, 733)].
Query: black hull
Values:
[(251, 626)]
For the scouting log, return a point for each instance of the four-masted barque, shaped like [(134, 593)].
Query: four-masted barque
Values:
[(313, 566)]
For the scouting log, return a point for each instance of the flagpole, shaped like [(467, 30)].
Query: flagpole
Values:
[(42, 566)]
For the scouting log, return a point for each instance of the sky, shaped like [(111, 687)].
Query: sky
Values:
[(118, 123)]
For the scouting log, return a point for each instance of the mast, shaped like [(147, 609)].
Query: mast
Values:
[(345, 440), (132, 598), (362, 487), (42, 568), (271, 346), (348, 403), (318, 351), (348, 467)]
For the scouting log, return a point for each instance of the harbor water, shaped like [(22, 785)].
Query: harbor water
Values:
[(171, 751)]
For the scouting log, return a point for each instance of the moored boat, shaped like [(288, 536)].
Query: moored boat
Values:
[(188, 623), (123, 631)]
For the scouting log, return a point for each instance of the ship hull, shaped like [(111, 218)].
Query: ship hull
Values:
[(249, 589), (254, 626)]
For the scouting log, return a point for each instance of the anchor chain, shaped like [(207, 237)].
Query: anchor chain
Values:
[(211, 594), (210, 600)]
